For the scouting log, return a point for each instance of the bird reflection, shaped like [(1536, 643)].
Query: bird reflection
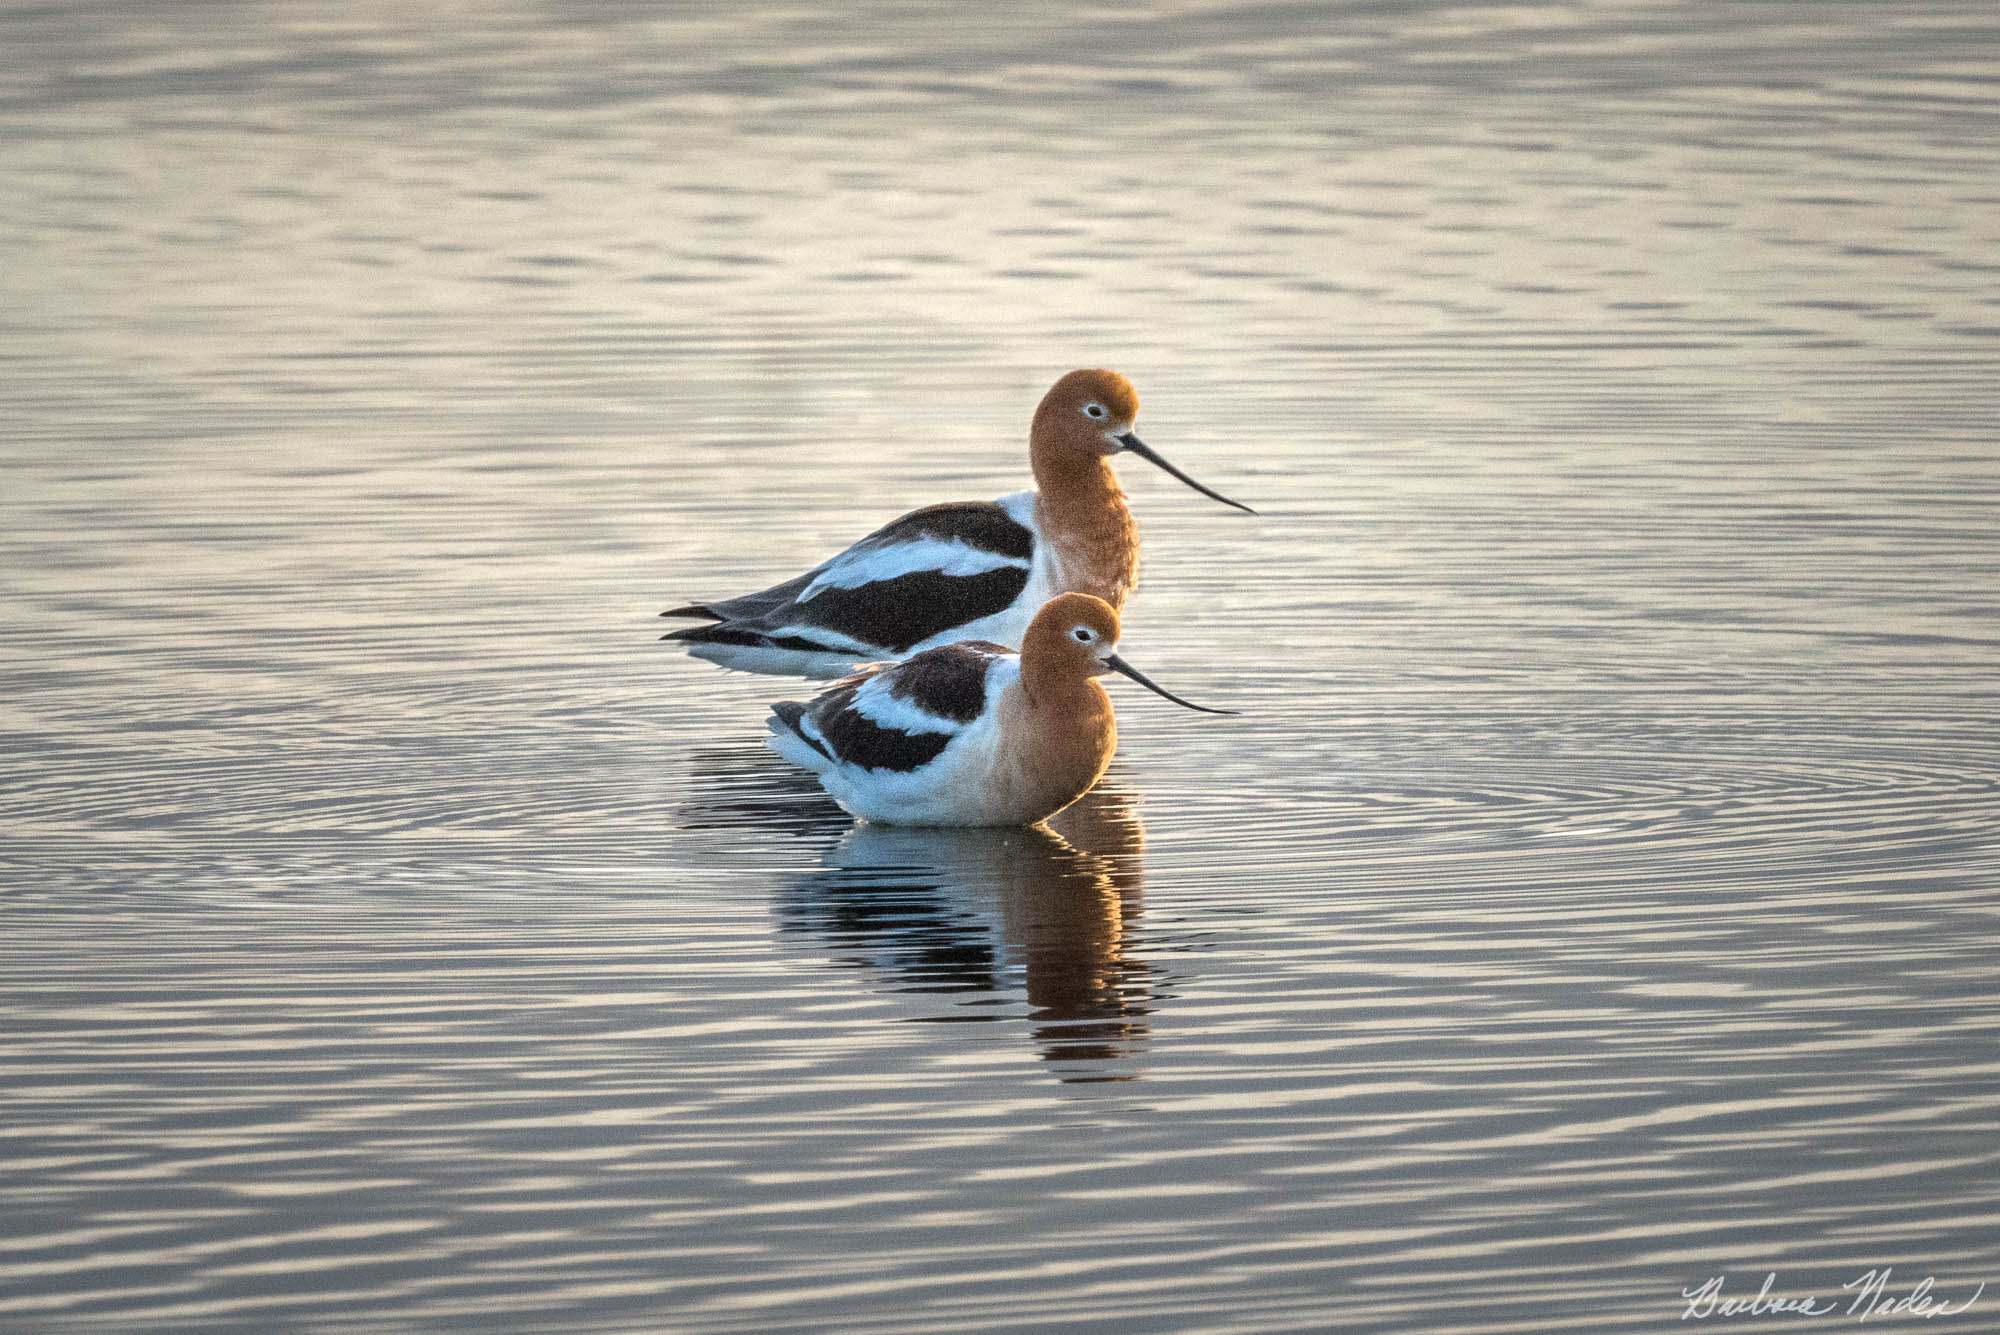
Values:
[(1045, 915)]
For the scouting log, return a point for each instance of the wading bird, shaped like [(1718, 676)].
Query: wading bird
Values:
[(970, 734), (969, 570)]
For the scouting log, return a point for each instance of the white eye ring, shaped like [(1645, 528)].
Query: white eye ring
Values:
[(1083, 634), (1096, 412)]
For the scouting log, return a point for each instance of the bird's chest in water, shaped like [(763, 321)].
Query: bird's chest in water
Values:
[(1056, 750)]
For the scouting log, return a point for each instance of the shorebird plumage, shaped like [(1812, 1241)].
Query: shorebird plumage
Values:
[(970, 733), (970, 570)]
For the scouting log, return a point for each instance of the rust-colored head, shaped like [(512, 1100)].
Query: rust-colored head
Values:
[(1074, 633), (1086, 412), (1088, 415)]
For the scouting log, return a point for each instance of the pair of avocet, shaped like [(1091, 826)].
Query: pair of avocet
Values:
[(963, 730)]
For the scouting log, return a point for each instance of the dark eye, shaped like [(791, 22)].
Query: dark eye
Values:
[(1094, 411), (1082, 633)]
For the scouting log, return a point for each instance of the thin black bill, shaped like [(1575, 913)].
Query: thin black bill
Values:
[(1151, 456), (1117, 664)]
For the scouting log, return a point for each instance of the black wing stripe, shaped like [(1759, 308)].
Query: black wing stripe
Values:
[(980, 524), (852, 738), (949, 682), (749, 637), (749, 606), (789, 712), (721, 633), (907, 610), (855, 740)]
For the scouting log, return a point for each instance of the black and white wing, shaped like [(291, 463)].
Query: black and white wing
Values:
[(922, 576), (897, 716)]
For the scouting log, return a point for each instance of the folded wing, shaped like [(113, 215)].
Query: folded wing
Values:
[(932, 570), (896, 717)]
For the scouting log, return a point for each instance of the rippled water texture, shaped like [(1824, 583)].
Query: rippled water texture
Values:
[(1597, 895)]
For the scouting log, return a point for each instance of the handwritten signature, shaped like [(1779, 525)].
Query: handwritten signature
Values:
[(1870, 1290)]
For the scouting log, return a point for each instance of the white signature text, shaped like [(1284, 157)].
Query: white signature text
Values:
[(1870, 1296)]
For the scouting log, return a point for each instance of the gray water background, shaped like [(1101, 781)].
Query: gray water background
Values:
[(1597, 895)]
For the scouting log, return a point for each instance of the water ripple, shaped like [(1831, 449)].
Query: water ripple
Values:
[(1594, 896)]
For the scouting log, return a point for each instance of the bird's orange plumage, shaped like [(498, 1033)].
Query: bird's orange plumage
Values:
[(1080, 504)]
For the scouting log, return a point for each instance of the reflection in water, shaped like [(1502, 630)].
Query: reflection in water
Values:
[(1041, 914), (1599, 889), (747, 788)]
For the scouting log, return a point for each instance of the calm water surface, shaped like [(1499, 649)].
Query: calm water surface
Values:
[(1598, 894)]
